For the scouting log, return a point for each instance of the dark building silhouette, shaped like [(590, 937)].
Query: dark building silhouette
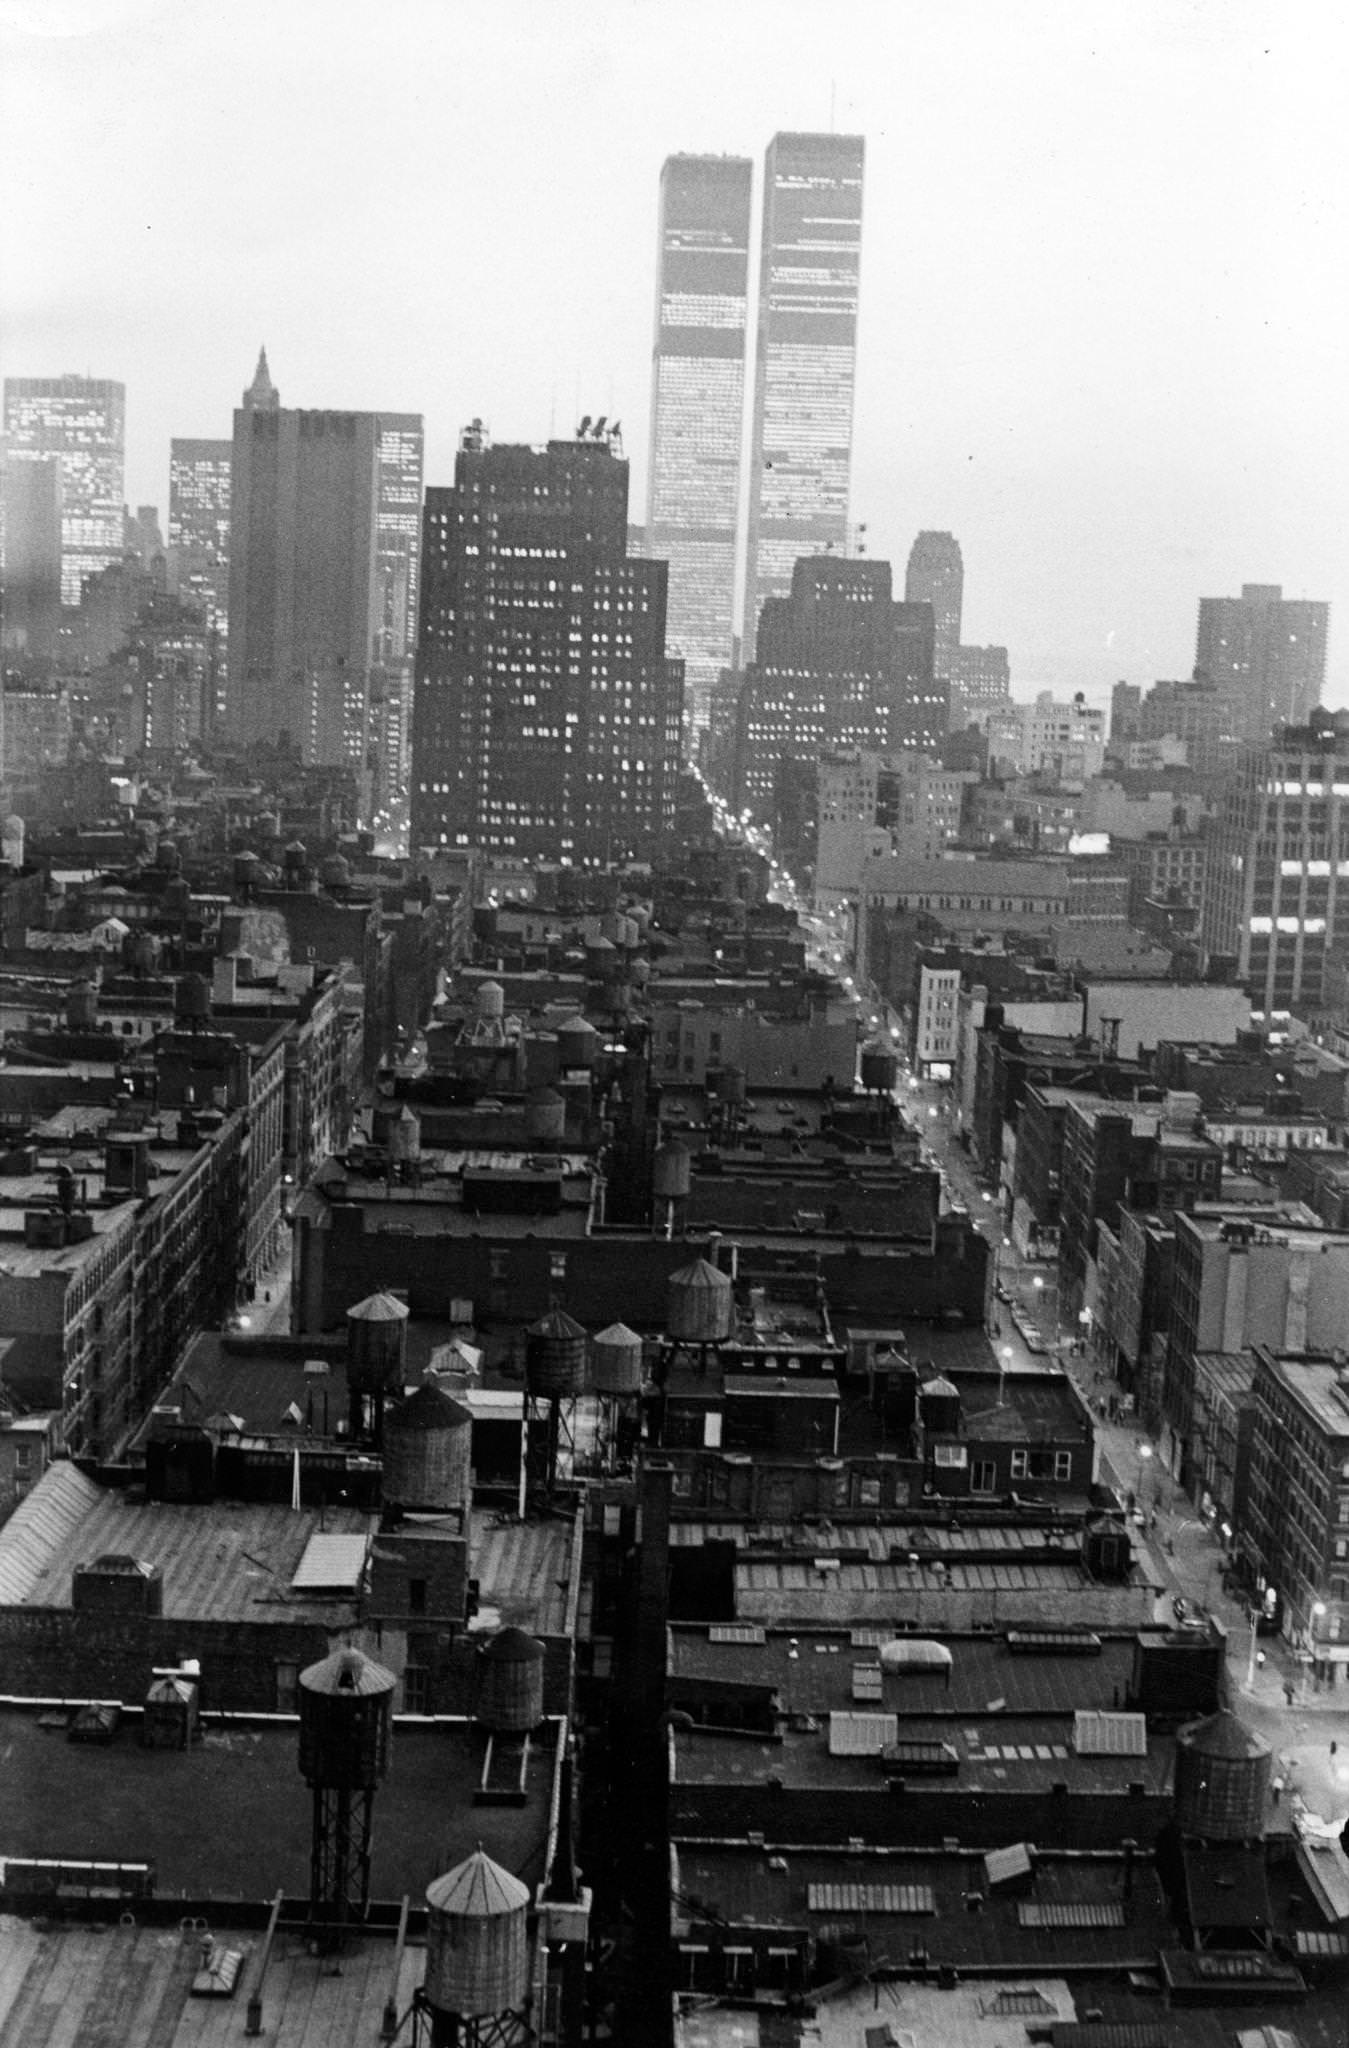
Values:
[(935, 575), (547, 715), (840, 664), (32, 578), (322, 569)]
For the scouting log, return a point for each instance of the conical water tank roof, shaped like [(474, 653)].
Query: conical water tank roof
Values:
[(1223, 1734), (616, 1359), (347, 1673), (699, 1303), (379, 1308), (942, 1387), (477, 1889)]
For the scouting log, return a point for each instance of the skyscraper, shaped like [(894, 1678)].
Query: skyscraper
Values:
[(547, 715), (1276, 891), (199, 526), (322, 569), (839, 664), (1267, 655), (81, 423), (936, 576), (31, 613), (697, 406), (805, 357)]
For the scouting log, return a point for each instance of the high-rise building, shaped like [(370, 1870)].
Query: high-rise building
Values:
[(697, 407), (81, 423), (199, 527), (1267, 655), (322, 570), (840, 665), (547, 716), (1276, 890), (805, 360), (981, 681), (31, 613), (936, 575)]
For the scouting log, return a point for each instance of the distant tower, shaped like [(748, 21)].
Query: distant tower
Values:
[(262, 395), (805, 361), (936, 576), (1267, 655), (346, 1704), (81, 423), (697, 401)]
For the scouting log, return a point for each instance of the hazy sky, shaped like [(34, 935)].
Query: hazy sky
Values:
[(1103, 268)]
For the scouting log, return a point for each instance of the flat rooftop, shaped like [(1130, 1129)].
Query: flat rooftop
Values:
[(811, 1673), (229, 1561), (232, 1817), (86, 1986), (1016, 1753)]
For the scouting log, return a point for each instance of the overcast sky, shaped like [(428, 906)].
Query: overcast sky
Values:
[(1103, 267)]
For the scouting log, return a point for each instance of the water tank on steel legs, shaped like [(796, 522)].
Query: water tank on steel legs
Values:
[(346, 1714), (939, 1405), (477, 1941), (376, 1344), (698, 1304), (509, 1689), (555, 1357), (1222, 1779), (490, 1001), (616, 1361), (428, 1445)]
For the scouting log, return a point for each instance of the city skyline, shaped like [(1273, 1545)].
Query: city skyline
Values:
[(1105, 366)]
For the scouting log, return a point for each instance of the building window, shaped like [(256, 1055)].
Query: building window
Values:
[(287, 1688), (953, 1456), (416, 1596), (866, 1491), (983, 1476), (416, 1688)]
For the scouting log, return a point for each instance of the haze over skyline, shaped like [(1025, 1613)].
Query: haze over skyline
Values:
[(1101, 272)]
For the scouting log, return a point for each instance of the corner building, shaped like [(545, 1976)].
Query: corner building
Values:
[(546, 720), (806, 358), (1276, 891), (697, 404)]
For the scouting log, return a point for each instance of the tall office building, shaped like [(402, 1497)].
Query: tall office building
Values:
[(981, 682), (80, 422), (697, 407), (30, 612), (840, 664), (1267, 655), (199, 526), (805, 358), (1276, 890), (547, 715), (936, 575), (322, 571)]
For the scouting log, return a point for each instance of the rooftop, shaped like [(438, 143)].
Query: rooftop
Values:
[(811, 1672), (1318, 1384), (226, 1562), (231, 1817), (1000, 1754)]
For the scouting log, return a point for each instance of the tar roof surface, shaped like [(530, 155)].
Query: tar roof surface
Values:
[(225, 1562), (818, 1677), (1007, 1753), (527, 1571), (233, 1817), (741, 1883)]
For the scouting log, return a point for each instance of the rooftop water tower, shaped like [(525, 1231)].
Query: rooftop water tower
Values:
[(616, 1361), (476, 1990), (346, 1718), (376, 1360), (555, 1363)]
